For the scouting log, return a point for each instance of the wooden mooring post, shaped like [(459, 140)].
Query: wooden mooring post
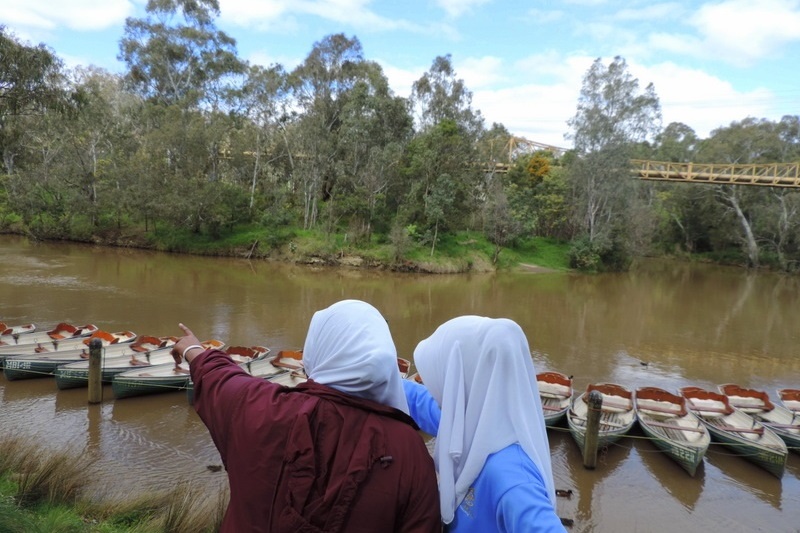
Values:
[(95, 371), (595, 404)]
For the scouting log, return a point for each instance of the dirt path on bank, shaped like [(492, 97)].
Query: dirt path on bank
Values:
[(535, 269)]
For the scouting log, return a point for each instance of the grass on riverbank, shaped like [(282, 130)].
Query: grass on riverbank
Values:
[(459, 252), (49, 492)]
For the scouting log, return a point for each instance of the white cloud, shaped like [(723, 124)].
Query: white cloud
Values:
[(274, 14), (481, 72), (401, 80), (455, 8), (743, 31), (737, 32), (539, 107), (700, 100), (544, 17), (33, 15), (652, 12)]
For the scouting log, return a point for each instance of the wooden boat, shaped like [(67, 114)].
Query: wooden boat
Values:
[(168, 377), (62, 337), (14, 331), (555, 391), (260, 367), (404, 365), (293, 360), (790, 398), (757, 404), (739, 431), (45, 363), (61, 332), (617, 415), (145, 351), (675, 430)]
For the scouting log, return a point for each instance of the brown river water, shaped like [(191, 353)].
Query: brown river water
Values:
[(692, 324)]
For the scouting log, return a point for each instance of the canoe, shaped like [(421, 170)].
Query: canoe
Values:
[(7, 330), (145, 351), (617, 415), (555, 391), (61, 332), (740, 432), (674, 429), (44, 364), (757, 404)]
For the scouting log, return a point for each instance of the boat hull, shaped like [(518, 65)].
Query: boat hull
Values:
[(738, 431), (16, 368), (124, 386), (672, 428), (163, 378), (615, 422), (75, 375), (555, 392), (45, 363), (777, 417)]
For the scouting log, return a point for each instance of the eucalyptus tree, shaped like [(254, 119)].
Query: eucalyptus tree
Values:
[(761, 215), (263, 102), (537, 193), (677, 143), (442, 167), (612, 117), (375, 130), (347, 129), (185, 70), (32, 83), (176, 55)]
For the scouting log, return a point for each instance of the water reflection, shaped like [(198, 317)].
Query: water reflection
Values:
[(676, 481), (741, 475)]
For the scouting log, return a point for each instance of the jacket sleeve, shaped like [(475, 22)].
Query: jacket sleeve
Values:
[(220, 387), (422, 407)]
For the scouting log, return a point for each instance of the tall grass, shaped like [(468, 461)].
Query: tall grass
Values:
[(49, 491)]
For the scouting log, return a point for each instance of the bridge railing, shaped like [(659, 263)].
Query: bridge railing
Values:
[(769, 175)]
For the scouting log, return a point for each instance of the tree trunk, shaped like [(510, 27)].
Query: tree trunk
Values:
[(750, 241)]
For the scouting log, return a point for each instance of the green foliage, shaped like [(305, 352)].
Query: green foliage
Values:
[(584, 256), (599, 256), (195, 153), (540, 251)]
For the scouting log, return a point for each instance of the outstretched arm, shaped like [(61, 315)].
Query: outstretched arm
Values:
[(422, 407)]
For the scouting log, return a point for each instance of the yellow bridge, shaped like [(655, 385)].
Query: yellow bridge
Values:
[(766, 175)]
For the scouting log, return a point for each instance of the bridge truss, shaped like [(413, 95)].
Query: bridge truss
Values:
[(765, 175)]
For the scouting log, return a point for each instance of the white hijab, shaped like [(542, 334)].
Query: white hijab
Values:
[(481, 373), (349, 348)]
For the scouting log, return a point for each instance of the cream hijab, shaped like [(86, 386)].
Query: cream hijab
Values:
[(480, 372), (349, 348)]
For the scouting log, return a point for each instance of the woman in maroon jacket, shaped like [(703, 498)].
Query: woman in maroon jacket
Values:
[(337, 453)]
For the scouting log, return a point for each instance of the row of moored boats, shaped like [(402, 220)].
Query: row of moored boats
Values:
[(133, 365), (682, 423)]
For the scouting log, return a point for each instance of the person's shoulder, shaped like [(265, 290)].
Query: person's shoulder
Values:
[(510, 467)]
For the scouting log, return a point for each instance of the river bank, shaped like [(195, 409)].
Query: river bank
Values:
[(456, 254)]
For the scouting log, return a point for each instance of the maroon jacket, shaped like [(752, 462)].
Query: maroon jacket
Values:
[(311, 458)]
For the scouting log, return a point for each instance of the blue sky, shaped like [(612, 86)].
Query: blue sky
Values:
[(711, 62)]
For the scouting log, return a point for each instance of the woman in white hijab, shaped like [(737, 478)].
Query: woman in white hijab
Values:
[(349, 348), (481, 401)]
